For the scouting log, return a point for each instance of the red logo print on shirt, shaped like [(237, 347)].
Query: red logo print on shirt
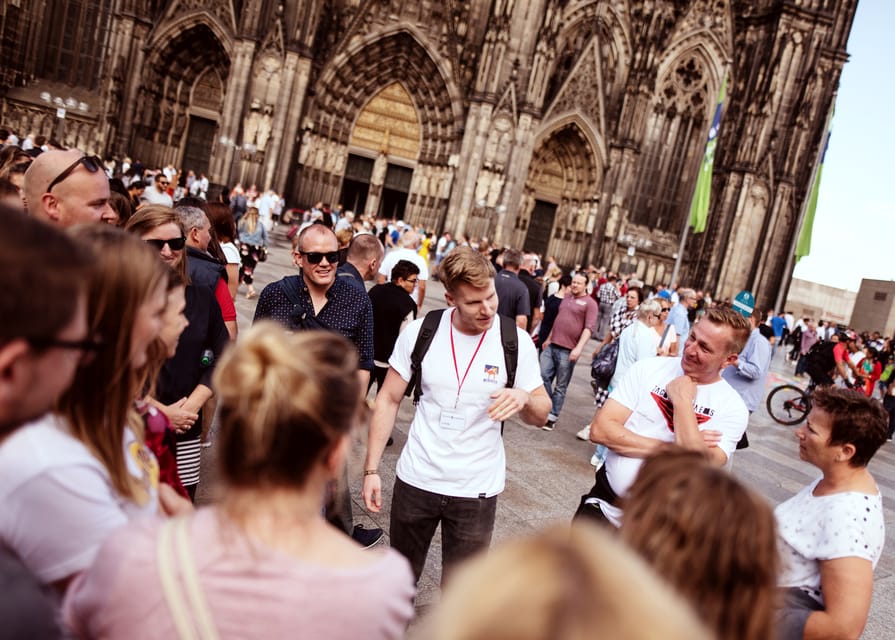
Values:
[(667, 409)]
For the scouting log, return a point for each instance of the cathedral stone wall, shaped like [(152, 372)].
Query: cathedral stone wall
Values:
[(569, 127)]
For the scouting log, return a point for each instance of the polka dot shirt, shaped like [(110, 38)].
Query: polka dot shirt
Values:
[(814, 528)]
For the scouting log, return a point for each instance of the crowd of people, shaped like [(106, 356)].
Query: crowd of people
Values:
[(120, 346)]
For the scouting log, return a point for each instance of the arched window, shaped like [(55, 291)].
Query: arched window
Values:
[(674, 143)]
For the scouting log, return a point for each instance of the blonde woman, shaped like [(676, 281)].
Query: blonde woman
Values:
[(266, 562), (253, 241)]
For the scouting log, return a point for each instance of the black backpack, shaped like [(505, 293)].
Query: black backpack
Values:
[(820, 356), (508, 338)]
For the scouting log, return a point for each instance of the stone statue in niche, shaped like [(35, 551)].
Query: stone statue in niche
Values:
[(497, 147), (305, 148), (252, 123), (380, 165), (483, 186), (265, 124), (494, 190)]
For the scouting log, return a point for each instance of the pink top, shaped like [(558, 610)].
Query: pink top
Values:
[(252, 591)]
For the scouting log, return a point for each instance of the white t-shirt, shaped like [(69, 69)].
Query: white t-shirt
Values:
[(813, 528), (391, 259), (642, 390), (59, 505), (462, 457), (637, 342), (231, 253)]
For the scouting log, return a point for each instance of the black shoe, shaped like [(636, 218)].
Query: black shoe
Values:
[(549, 426), (367, 537)]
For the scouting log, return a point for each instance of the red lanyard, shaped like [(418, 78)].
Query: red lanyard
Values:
[(469, 366)]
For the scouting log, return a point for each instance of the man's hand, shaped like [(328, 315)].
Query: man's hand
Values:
[(574, 354), (681, 390), (372, 492), (711, 438), (507, 403)]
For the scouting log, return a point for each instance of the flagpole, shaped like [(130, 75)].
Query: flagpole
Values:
[(680, 249), (791, 257)]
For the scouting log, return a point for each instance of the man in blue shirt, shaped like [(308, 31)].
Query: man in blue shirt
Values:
[(677, 317), (749, 373)]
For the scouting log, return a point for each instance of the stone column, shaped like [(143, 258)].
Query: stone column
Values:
[(135, 62), (477, 125), (276, 139), (223, 159), (298, 86)]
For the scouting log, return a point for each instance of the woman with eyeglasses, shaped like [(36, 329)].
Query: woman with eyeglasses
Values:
[(184, 383), (667, 335), (72, 477)]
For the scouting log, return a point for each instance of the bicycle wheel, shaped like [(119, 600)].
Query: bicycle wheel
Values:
[(788, 404)]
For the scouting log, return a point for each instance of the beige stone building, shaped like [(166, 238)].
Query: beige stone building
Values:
[(568, 127), (874, 308), (808, 299)]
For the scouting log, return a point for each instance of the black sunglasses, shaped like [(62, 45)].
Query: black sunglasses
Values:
[(315, 257), (91, 163), (175, 244)]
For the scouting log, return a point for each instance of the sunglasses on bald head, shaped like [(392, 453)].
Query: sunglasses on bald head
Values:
[(315, 257), (91, 163), (175, 244)]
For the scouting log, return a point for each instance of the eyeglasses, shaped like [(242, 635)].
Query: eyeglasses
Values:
[(88, 347), (162, 183), (665, 309), (315, 257), (91, 163), (412, 283), (175, 244)]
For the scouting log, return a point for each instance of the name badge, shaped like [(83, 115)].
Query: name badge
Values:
[(452, 421)]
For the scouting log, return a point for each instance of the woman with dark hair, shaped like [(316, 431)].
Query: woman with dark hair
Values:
[(184, 384), (832, 531), (223, 229), (709, 537), (264, 561)]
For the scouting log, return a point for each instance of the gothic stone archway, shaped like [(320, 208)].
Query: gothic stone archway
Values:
[(559, 204), (341, 95), (180, 100)]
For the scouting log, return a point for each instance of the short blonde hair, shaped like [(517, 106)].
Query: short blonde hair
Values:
[(285, 400), (465, 265), (561, 585)]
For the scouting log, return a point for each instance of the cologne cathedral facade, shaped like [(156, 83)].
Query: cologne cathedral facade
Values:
[(574, 128)]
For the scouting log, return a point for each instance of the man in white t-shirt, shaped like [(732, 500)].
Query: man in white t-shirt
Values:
[(43, 339), (410, 241), (663, 400), (453, 466)]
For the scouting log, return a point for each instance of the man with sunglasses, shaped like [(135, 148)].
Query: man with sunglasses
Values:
[(43, 338), (317, 299), (67, 188), (157, 192)]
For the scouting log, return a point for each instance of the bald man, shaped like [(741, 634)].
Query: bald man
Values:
[(67, 188)]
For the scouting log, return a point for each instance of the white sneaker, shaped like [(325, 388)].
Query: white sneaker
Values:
[(595, 461), (584, 434)]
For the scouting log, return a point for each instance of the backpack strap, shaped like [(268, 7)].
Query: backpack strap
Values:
[(510, 341), (423, 340)]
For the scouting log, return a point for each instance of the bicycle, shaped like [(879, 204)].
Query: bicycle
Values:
[(789, 404)]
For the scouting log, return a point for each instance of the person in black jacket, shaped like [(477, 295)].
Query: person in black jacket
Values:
[(393, 309)]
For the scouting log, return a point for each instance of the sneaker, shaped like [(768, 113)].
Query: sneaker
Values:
[(367, 537), (595, 461), (549, 426), (584, 434)]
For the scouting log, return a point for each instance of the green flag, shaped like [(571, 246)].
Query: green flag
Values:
[(699, 209), (803, 248)]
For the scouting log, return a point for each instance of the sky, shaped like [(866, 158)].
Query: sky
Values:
[(854, 226)]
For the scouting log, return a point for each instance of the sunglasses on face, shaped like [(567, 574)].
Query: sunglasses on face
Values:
[(315, 257), (175, 244), (162, 183), (91, 163)]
